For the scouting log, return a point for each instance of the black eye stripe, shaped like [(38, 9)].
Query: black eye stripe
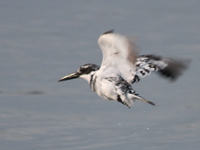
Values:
[(87, 68)]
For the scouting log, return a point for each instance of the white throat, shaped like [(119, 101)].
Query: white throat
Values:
[(87, 77)]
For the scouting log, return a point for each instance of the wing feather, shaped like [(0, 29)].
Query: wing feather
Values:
[(119, 55), (170, 68)]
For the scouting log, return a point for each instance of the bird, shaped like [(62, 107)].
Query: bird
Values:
[(122, 66)]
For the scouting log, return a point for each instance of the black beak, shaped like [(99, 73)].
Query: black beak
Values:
[(70, 76)]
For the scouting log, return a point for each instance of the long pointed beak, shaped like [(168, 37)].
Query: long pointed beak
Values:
[(70, 76)]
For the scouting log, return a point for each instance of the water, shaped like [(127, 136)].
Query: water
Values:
[(41, 41)]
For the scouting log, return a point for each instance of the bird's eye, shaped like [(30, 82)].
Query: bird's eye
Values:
[(81, 69)]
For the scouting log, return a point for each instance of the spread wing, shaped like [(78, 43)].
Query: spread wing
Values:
[(170, 68), (119, 55)]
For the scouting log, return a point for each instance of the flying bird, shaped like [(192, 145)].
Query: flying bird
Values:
[(122, 66)]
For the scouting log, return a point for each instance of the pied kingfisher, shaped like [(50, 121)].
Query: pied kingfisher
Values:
[(121, 66)]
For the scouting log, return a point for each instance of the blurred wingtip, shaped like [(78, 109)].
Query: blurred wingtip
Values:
[(175, 68), (109, 31)]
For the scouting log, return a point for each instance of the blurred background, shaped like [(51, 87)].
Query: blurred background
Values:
[(42, 41)]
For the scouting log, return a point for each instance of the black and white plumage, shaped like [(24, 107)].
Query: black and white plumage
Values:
[(170, 68), (121, 66)]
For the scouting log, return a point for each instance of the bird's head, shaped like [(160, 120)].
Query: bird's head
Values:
[(85, 72)]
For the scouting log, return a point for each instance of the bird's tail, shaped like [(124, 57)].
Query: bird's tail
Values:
[(144, 100), (137, 97)]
